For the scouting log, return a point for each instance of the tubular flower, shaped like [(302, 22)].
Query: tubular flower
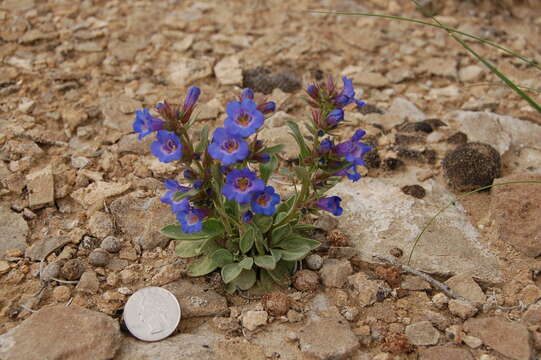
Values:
[(145, 123), (243, 118), (347, 95), (353, 150), (189, 103), (191, 220), (330, 204), (335, 117), (247, 217), (227, 148), (264, 202), (350, 172), (241, 185), (173, 187), (167, 147)]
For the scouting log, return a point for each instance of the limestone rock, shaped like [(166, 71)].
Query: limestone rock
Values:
[(445, 353), (228, 71), (252, 319), (62, 332), (185, 70), (422, 333), (365, 288), (334, 273), (13, 231), (119, 112), (41, 248), (100, 225), (466, 287), (462, 309), (404, 109), (40, 186), (197, 300), (97, 192), (510, 339)]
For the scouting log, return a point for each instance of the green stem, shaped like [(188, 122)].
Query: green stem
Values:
[(458, 199)]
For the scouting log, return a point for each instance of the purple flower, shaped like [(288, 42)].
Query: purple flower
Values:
[(145, 123), (360, 103), (264, 202), (241, 184), (267, 107), (168, 147), (350, 172), (243, 118), (247, 217), (325, 146), (353, 150), (188, 174), (335, 117), (247, 94), (330, 204), (191, 98), (262, 158), (347, 95), (168, 111), (173, 187), (191, 220), (227, 148)]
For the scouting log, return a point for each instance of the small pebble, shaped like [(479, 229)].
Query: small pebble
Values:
[(61, 293), (72, 269), (111, 244), (50, 271), (98, 257), (314, 262), (4, 267), (306, 280)]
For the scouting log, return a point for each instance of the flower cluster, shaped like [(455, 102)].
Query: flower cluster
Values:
[(226, 210)]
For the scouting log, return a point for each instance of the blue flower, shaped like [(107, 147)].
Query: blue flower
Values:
[(191, 220), (360, 104), (350, 172), (227, 148), (347, 95), (167, 147), (267, 107), (243, 118), (145, 123), (173, 187), (353, 150), (325, 146), (335, 117), (262, 158), (241, 184), (247, 217), (247, 94), (330, 204), (191, 98), (264, 202)]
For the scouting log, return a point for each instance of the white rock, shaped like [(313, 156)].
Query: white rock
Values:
[(253, 319), (228, 71), (185, 70), (405, 110), (470, 73)]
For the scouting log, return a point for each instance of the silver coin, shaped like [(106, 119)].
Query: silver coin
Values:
[(152, 313)]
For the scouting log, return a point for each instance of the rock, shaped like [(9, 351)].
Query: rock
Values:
[(466, 287), (275, 303), (72, 269), (326, 222), (60, 332), (334, 273), (516, 212), (186, 70), (440, 300), (316, 343), (366, 289), (378, 217), (42, 248), (422, 333), (142, 219), (96, 192), (100, 225), (228, 71), (445, 353), (4, 267), (61, 293), (471, 166), (532, 316), (127, 276), (369, 79), (472, 341), (462, 309), (470, 73), (50, 271), (417, 191), (111, 244), (445, 67), (99, 257), (306, 280), (13, 231), (414, 283), (314, 262), (197, 300), (40, 186), (167, 274), (279, 119), (280, 135), (400, 74), (440, 321), (252, 319), (79, 162), (89, 283), (261, 79), (294, 316), (119, 112), (510, 339), (404, 110)]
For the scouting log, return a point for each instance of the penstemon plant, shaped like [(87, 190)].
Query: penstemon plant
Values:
[(228, 215)]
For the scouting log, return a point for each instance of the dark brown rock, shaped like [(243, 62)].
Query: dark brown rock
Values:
[(306, 280), (275, 303), (471, 166), (417, 191), (72, 269)]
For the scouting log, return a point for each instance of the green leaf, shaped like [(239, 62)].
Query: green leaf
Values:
[(182, 195), (295, 131), (245, 280), (273, 149), (213, 227), (247, 240), (260, 243), (279, 233), (203, 139), (280, 274), (268, 168), (294, 241), (276, 255), (174, 231), (293, 254), (264, 285), (265, 261), (263, 222), (304, 227), (201, 267), (222, 257), (246, 263), (187, 249), (230, 272)]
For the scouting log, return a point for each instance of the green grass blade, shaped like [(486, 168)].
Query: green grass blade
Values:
[(500, 84), (416, 241)]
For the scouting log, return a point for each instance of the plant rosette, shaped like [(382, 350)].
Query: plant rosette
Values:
[(229, 218)]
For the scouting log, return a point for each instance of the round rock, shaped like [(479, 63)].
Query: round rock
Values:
[(152, 314), (111, 244), (471, 166), (314, 262), (98, 257), (72, 269)]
